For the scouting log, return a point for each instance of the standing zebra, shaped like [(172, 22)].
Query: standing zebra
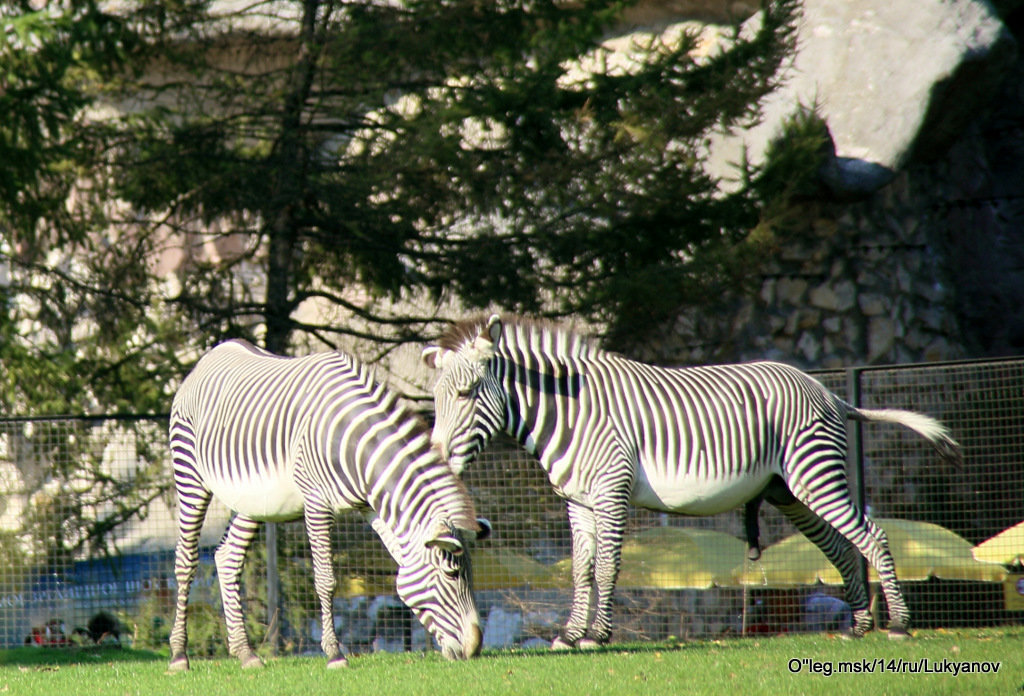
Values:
[(695, 440), (278, 438)]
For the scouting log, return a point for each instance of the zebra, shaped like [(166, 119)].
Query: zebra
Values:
[(697, 441), (278, 438)]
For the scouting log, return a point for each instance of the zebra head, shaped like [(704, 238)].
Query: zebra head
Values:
[(434, 581), (469, 402)]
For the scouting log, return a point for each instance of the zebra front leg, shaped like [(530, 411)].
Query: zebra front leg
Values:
[(584, 545), (193, 502), (229, 557), (318, 530), (610, 513)]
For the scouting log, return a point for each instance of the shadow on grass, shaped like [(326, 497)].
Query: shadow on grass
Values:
[(33, 656), (611, 648)]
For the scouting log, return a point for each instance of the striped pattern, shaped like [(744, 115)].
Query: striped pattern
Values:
[(611, 432), (277, 439)]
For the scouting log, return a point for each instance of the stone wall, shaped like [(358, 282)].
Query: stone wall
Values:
[(866, 283)]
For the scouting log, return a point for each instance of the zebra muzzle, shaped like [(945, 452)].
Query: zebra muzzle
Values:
[(472, 640)]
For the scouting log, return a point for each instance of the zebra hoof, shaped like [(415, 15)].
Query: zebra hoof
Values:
[(251, 661), (559, 644), (178, 664), (337, 662), (898, 633)]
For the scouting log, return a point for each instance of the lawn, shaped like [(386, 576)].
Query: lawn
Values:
[(778, 666)]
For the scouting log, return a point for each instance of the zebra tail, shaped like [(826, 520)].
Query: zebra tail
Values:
[(927, 427)]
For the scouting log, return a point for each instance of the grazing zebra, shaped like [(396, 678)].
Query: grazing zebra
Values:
[(695, 440), (278, 438)]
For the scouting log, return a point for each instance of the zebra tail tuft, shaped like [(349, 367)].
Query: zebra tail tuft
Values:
[(927, 427)]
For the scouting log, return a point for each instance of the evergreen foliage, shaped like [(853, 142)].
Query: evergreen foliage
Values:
[(377, 157)]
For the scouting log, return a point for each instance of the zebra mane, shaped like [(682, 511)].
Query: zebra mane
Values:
[(464, 518), (539, 336)]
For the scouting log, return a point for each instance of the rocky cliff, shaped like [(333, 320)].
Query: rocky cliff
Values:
[(914, 251)]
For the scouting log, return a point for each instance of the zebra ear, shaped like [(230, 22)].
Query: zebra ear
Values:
[(493, 328), (446, 542), (435, 357), (480, 531), (444, 538), (484, 343)]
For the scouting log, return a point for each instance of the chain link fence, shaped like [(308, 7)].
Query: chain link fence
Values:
[(87, 533)]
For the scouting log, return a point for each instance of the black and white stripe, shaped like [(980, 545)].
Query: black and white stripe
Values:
[(277, 439), (695, 440)]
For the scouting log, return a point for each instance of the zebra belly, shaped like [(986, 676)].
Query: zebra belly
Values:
[(687, 494), (267, 498)]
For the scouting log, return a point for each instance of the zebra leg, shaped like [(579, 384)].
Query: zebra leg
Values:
[(611, 513), (828, 496), (318, 530), (229, 557), (584, 544), (899, 614), (193, 501), (840, 553)]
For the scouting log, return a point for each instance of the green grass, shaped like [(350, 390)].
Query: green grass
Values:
[(734, 666)]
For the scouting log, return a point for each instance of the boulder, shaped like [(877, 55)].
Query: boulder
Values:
[(894, 81)]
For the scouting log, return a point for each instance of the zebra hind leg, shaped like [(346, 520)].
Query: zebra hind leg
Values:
[(230, 556), (881, 558), (837, 508), (840, 553), (318, 531), (871, 541)]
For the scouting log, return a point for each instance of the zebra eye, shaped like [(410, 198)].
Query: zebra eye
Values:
[(449, 562), (466, 392)]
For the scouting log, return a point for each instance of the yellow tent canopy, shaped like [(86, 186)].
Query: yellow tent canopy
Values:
[(675, 558), (920, 550), (1006, 547)]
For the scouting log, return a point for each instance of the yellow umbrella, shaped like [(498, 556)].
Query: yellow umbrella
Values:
[(371, 571), (492, 569), (676, 558), (791, 562), (495, 569), (1006, 547), (920, 550), (367, 585)]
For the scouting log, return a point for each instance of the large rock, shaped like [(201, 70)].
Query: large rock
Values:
[(894, 81)]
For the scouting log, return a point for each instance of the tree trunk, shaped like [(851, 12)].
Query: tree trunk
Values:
[(290, 158)]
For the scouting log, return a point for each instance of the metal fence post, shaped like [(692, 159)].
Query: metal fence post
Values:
[(855, 449), (273, 590), (855, 463)]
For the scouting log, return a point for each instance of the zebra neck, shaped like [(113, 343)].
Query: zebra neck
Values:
[(420, 491), (542, 406)]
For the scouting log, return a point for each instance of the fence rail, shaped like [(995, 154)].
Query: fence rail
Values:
[(87, 531)]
